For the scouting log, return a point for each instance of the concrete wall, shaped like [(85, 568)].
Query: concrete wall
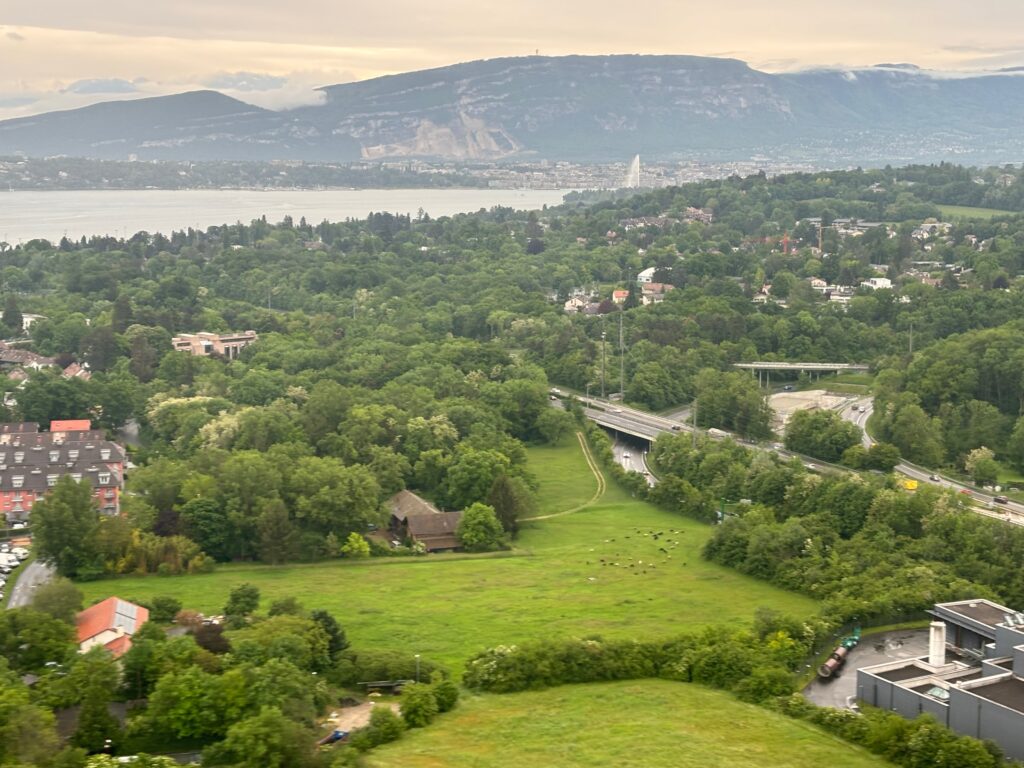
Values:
[(1007, 639), (971, 715)]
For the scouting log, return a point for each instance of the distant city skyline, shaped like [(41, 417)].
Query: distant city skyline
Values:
[(60, 54)]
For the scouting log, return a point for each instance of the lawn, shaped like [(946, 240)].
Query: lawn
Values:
[(648, 723), (968, 212), (553, 585)]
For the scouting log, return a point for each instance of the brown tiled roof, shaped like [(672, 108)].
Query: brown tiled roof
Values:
[(405, 504), (436, 531)]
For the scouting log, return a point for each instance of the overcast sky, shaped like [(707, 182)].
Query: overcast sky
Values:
[(57, 54)]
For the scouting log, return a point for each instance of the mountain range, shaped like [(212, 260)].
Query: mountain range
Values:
[(581, 108)]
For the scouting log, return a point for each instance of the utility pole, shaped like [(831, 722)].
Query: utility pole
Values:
[(911, 337), (622, 359), (693, 432), (602, 361)]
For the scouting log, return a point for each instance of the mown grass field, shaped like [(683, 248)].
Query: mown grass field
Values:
[(448, 607), (644, 723), (967, 212)]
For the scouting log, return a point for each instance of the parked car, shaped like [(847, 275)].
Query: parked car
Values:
[(18, 526), (788, 388)]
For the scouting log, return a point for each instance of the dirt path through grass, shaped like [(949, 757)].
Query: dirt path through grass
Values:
[(599, 476)]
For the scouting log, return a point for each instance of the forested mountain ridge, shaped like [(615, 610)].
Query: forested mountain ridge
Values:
[(588, 108)]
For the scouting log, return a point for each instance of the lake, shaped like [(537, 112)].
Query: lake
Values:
[(52, 215)]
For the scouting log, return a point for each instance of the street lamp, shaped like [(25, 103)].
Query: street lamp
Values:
[(417, 667)]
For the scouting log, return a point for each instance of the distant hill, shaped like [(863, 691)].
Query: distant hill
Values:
[(587, 108)]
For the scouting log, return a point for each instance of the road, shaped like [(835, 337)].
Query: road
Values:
[(34, 575), (984, 503), (633, 459), (648, 425)]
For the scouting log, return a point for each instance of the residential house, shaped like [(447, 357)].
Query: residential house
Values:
[(76, 371), (646, 275), (31, 462), (111, 624), (416, 519), (654, 293), (11, 357), (575, 304), (619, 297), (204, 344), (874, 283)]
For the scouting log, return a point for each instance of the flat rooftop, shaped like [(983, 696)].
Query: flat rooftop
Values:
[(1009, 693), (907, 672), (982, 611)]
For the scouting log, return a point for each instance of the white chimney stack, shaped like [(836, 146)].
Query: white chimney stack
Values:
[(937, 644)]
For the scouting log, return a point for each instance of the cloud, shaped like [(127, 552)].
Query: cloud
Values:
[(101, 85), (245, 81), (15, 37)]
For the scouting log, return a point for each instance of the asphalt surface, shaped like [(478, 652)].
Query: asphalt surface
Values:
[(633, 459), (34, 575), (840, 691)]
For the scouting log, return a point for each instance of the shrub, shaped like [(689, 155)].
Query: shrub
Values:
[(354, 667), (385, 726), (419, 705), (446, 692), (164, 608)]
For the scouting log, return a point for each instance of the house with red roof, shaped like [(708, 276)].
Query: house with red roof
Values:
[(111, 624)]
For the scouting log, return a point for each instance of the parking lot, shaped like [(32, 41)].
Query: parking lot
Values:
[(839, 691)]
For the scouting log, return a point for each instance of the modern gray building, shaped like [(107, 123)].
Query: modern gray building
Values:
[(979, 693)]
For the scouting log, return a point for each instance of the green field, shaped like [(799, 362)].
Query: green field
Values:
[(449, 606), (645, 723), (967, 212)]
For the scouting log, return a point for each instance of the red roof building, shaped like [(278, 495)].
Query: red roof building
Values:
[(111, 624), (31, 462)]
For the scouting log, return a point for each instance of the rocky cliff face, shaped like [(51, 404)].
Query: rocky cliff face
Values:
[(576, 107)]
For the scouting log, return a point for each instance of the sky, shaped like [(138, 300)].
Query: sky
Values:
[(61, 54)]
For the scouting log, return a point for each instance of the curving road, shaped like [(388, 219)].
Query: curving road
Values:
[(34, 575), (984, 503)]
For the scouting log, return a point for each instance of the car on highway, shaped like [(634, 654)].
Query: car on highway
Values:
[(616, 410), (1000, 500), (676, 427), (965, 492), (626, 455), (934, 478)]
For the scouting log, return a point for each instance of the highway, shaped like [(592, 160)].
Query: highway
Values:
[(633, 459), (984, 503), (648, 426)]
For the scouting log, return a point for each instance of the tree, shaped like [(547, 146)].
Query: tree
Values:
[(336, 640), (553, 424), (64, 523), (473, 473), (12, 317), (211, 637), (243, 600), (355, 546), (27, 731), (60, 599), (480, 530), (285, 605), (205, 522), (266, 740), (164, 608), (277, 535), (511, 499), (981, 465), (822, 434)]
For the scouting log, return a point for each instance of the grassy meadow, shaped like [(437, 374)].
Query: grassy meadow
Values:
[(644, 723), (968, 212), (553, 584)]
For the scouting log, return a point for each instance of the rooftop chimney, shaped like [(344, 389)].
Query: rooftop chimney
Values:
[(937, 644)]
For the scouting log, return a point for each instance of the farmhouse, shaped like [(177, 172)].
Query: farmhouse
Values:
[(111, 624), (418, 520)]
